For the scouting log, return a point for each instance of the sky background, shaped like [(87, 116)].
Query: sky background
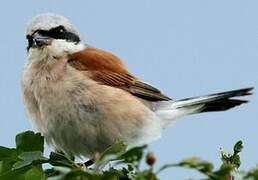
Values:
[(186, 48)]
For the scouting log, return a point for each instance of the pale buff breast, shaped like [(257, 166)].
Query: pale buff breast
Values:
[(81, 117)]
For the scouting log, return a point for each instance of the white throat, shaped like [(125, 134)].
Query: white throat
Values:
[(58, 49)]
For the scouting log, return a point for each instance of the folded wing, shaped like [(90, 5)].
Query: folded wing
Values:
[(107, 69)]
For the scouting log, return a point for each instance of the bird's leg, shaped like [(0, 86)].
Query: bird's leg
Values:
[(86, 164), (89, 163)]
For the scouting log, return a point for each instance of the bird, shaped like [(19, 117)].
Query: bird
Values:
[(83, 99)]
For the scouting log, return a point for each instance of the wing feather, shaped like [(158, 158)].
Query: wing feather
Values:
[(107, 69)]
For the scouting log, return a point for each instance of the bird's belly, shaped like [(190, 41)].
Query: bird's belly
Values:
[(83, 120), (73, 124), (76, 134)]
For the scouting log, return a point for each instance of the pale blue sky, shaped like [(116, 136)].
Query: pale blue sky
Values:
[(185, 48)]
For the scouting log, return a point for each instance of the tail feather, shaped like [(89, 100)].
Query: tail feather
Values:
[(215, 102), (221, 105), (173, 110)]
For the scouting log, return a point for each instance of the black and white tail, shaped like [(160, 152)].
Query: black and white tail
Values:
[(213, 102)]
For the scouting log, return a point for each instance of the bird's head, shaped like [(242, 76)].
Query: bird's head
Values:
[(51, 35)]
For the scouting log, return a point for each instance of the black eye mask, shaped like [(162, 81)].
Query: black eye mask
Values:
[(56, 33)]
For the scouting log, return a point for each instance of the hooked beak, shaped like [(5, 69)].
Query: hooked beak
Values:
[(40, 40)]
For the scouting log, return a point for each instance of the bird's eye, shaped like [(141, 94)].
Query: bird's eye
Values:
[(57, 32), (60, 29)]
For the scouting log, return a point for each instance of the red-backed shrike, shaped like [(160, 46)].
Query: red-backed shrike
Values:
[(82, 99)]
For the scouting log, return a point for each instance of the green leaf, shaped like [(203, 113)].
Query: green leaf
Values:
[(8, 157), (8, 154), (236, 160), (82, 175), (59, 173), (18, 174), (35, 173), (222, 173), (202, 166), (29, 141), (145, 175), (233, 159), (50, 172), (197, 163), (27, 158), (238, 147), (133, 155), (60, 159), (114, 174), (114, 150), (110, 154)]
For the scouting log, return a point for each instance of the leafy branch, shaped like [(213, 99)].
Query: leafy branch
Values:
[(25, 162)]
